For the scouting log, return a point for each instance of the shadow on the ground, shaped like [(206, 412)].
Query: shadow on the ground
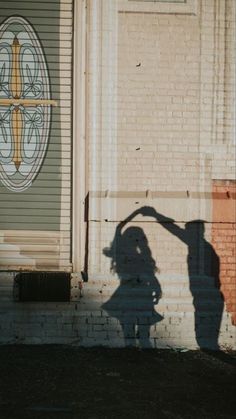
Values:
[(50, 382)]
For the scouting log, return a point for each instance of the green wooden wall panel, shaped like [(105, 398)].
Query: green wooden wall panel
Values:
[(39, 206)]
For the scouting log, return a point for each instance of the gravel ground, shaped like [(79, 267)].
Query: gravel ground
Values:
[(62, 382)]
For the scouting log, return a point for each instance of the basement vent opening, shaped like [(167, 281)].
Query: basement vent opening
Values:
[(42, 286)]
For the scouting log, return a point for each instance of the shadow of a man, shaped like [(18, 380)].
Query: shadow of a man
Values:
[(133, 302), (203, 269)]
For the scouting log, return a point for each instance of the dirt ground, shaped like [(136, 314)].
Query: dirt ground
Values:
[(48, 382)]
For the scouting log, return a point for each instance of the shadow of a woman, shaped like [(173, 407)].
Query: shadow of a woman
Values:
[(133, 302), (203, 270)]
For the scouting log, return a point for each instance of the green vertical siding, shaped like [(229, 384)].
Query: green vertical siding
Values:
[(38, 207)]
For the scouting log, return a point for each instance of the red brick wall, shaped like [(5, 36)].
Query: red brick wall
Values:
[(224, 239)]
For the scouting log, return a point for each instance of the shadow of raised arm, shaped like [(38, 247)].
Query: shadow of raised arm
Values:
[(109, 251), (166, 222), (127, 220)]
